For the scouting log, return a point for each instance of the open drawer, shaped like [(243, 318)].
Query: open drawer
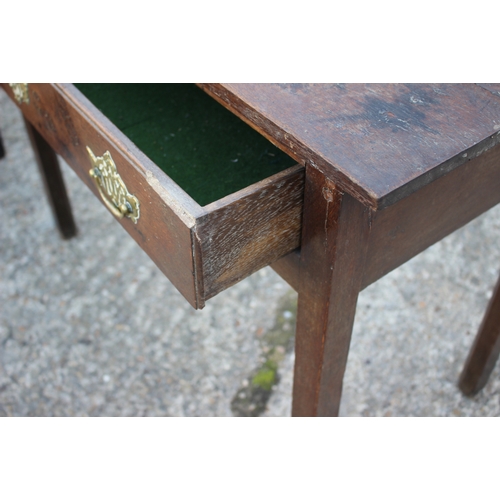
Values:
[(143, 150)]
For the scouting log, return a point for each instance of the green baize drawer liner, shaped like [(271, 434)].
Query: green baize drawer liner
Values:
[(203, 147)]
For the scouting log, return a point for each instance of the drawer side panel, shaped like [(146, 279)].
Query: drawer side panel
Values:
[(239, 236)]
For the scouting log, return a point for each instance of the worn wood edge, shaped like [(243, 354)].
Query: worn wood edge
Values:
[(274, 233), (439, 171), (277, 135), (199, 286), (185, 207)]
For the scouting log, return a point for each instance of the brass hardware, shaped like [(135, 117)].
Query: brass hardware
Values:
[(111, 187), (20, 92)]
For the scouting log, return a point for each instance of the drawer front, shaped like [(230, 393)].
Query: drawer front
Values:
[(163, 229)]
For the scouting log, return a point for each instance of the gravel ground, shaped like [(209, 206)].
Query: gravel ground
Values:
[(91, 327)]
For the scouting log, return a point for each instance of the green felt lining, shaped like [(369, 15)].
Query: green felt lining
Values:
[(198, 143)]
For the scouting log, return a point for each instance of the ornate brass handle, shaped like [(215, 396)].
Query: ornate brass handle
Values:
[(20, 91), (113, 191)]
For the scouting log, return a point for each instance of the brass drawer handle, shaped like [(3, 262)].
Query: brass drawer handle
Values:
[(20, 91), (111, 187)]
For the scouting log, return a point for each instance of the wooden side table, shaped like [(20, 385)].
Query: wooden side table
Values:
[(389, 170)]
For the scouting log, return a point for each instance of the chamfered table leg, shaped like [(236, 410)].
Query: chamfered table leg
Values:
[(485, 349), (53, 181), (333, 250)]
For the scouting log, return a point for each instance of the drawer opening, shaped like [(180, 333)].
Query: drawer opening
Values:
[(209, 152)]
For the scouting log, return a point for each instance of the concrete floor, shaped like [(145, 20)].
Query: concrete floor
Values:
[(91, 327)]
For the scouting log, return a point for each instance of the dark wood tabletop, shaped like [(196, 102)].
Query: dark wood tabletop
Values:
[(378, 142)]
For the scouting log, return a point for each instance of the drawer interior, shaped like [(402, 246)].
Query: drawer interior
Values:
[(209, 152)]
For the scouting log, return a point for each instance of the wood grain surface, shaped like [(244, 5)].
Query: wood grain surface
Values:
[(250, 229), (378, 142)]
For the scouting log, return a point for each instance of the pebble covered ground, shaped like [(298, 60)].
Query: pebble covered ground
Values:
[(90, 326)]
